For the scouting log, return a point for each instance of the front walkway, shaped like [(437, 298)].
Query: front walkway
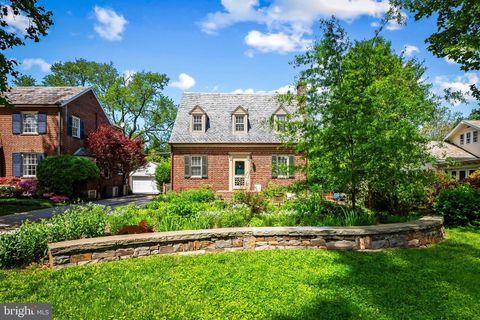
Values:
[(11, 220)]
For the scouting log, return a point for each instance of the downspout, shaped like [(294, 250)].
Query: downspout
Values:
[(171, 167), (59, 129)]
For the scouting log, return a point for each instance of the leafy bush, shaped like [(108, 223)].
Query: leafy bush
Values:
[(29, 187), (256, 201), (459, 205), (10, 181), (162, 172), (474, 179), (29, 242), (7, 191), (60, 174), (187, 202)]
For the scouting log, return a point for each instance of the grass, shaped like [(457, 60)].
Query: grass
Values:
[(440, 282), (12, 205)]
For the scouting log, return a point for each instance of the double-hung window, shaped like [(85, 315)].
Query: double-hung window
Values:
[(281, 118), (462, 139), (469, 137), (30, 122), (30, 161), (240, 123), (196, 166), (76, 127), (283, 166), (197, 122), (475, 136)]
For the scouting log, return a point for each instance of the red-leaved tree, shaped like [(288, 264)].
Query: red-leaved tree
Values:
[(114, 152)]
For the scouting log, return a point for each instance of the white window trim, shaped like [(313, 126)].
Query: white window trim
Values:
[(475, 137), (468, 137), (201, 122), (281, 176), (23, 122), (24, 166), (239, 116), (76, 119), (191, 166), (277, 122)]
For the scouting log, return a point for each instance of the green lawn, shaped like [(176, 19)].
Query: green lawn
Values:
[(440, 282), (9, 206)]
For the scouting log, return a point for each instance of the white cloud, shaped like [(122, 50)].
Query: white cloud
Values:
[(410, 50), (285, 89), (287, 21), (184, 82), (41, 63), (276, 42), (457, 83), (17, 22), (110, 24), (281, 90), (449, 61), (128, 74)]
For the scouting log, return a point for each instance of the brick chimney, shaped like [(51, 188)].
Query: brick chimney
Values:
[(301, 88)]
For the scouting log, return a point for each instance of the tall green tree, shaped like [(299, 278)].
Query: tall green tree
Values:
[(135, 103), (359, 122), (34, 21), (458, 29), (442, 122), (24, 80), (475, 114)]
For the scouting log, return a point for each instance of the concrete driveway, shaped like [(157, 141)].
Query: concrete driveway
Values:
[(8, 221)]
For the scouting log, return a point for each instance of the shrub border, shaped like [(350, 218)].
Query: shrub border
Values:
[(418, 233)]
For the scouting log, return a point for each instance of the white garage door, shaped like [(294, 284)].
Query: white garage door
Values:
[(144, 185)]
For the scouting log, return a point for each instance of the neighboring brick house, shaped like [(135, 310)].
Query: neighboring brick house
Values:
[(226, 140), (46, 121), (459, 153)]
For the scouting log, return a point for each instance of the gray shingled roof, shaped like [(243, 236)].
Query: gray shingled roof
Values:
[(444, 150), (43, 95), (219, 106)]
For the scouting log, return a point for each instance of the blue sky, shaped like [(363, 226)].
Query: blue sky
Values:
[(218, 45)]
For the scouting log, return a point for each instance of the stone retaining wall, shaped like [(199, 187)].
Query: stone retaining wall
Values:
[(419, 233)]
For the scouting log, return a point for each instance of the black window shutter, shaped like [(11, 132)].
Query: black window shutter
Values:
[(82, 129), (16, 123), (40, 156), (187, 173), (42, 122), (291, 167), (17, 164), (204, 167), (69, 125), (274, 167)]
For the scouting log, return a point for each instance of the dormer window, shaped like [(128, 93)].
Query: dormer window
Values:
[(198, 120), (239, 123), (240, 120), (280, 119)]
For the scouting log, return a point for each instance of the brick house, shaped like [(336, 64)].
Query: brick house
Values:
[(46, 121), (226, 141)]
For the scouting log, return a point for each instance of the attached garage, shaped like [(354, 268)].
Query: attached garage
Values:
[(143, 181)]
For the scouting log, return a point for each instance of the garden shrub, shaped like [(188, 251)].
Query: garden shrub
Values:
[(256, 201), (29, 187), (60, 174), (459, 205), (162, 172), (28, 243), (7, 191), (474, 179)]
